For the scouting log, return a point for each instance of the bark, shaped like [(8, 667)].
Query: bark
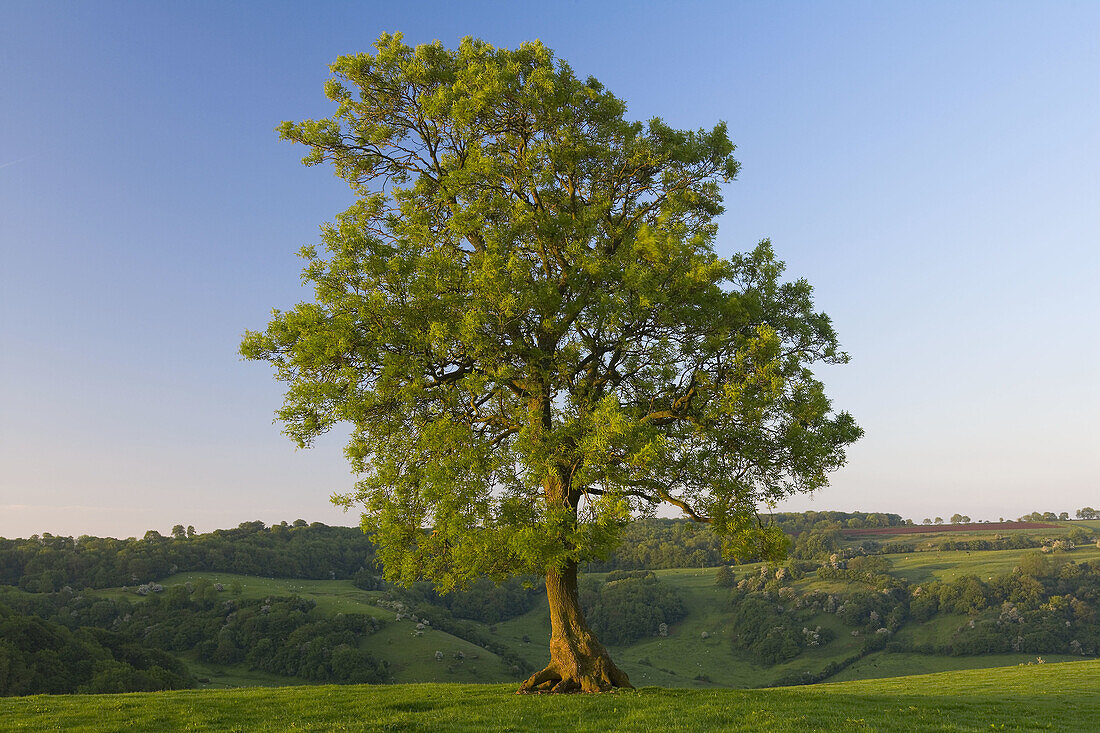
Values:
[(578, 662)]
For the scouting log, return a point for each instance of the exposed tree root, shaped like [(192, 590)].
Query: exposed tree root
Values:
[(600, 675)]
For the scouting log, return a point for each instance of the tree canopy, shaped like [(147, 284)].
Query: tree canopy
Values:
[(525, 324)]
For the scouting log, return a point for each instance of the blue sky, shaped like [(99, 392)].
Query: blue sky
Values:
[(932, 168)]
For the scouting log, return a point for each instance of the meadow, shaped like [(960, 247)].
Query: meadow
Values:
[(1027, 697)]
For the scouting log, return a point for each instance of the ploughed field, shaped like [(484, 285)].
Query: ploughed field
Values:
[(1026, 697)]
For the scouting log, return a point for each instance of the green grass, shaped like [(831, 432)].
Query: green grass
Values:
[(412, 658), (233, 676), (1037, 697), (921, 567), (881, 664)]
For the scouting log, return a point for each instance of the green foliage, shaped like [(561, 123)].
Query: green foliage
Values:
[(483, 600), (1083, 513), (724, 577), (817, 544), (769, 632), (491, 602), (278, 635), (48, 563), (629, 606), (870, 569), (657, 544), (524, 322), (1007, 542), (39, 656), (1080, 536)]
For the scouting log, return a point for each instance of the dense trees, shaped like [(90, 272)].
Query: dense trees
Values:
[(284, 636), (48, 563), (628, 606), (766, 633), (1046, 605), (1083, 513), (37, 655), (483, 600), (656, 544)]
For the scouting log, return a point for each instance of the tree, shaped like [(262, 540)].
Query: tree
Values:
[(960, 519), (1087, 513), (724, 577), (523, 321)]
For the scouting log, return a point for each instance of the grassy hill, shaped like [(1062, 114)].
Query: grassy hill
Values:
[(1035, 697), (697, 652), (705, 645)]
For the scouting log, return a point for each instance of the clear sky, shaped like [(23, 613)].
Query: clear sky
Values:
[(932, 168)]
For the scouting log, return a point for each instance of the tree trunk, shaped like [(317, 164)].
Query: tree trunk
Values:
[(578, 661)]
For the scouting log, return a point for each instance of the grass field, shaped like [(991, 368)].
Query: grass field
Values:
[(1036, 697), (920, 567)]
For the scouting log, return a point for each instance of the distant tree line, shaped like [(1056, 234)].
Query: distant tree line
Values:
[(1082, 513), (313, 551), (49, 563), (657, 544), (46, 563), (820, 543)]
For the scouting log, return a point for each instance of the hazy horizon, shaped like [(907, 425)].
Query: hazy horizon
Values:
[(343, 520), (931, 169)]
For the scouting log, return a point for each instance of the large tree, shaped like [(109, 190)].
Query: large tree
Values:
[(524, 323)]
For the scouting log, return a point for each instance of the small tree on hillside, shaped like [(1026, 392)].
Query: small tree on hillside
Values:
[(724, 577), (524, 323)]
